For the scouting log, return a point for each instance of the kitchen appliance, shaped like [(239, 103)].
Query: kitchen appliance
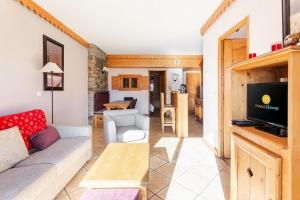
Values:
[(183, 88)]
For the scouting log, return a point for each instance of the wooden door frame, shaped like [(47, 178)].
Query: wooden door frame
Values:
[(166, 80), (199, 73), (242, 23)]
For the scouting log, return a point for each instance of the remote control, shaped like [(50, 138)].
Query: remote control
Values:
[(243, 123)]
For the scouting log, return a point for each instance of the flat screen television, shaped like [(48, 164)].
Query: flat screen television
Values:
[(267, 104)]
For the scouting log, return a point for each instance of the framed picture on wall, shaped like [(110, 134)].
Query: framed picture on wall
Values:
[(53, 51), (291, 17)]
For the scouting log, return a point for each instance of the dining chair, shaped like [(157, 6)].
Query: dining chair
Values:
[(128, 98), (133, 104)]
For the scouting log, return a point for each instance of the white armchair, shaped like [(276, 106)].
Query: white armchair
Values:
[(125, 126)]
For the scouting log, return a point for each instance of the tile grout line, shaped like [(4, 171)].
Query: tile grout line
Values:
[(206, 187), (67, 194), (186, 170)]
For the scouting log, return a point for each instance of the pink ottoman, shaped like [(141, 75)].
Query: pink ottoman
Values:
[(111, 194)]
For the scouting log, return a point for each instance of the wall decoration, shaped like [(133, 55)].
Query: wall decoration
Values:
[(291, 17), (53, 51)]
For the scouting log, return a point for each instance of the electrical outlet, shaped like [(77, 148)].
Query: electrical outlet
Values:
[(38, 93)]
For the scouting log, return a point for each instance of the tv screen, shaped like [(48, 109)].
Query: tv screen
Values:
[(267, 103)]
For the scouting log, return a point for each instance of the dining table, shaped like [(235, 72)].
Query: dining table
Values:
[(117, 105)]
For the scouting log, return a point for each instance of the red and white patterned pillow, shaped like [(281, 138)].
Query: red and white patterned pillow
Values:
[(28, 122)]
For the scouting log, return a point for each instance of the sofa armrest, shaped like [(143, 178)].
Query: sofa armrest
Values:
[(74, 131), (142, 122), (110, 130)]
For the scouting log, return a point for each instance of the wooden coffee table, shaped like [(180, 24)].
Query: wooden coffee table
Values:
[(121, 165)]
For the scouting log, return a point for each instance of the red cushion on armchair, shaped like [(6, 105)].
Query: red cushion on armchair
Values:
[(28, 122)]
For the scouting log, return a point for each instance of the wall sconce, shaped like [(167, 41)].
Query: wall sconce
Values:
[(175, 77), (104, 69)]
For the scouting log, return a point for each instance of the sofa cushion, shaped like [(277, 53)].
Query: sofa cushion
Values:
[(26, 182), (12, 148), (28, 122), (130, 134), (63, 153), (44, 138)]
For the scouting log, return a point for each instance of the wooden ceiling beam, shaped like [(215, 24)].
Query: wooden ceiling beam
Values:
[(38, 10), (154, 61)]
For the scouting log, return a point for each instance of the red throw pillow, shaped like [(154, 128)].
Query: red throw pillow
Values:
[(29, 123), (44, 138)]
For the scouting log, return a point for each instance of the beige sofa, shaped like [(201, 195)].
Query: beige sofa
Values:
[(45, 173)]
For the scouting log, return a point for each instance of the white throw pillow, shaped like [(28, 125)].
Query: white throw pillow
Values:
[(12, 148)]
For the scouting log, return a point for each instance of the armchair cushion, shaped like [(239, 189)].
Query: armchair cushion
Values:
[(130, 134)]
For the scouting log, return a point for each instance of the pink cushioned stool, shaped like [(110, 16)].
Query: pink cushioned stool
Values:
[(111, 194)]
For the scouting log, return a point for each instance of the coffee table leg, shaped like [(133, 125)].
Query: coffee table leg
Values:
[(143, 193)]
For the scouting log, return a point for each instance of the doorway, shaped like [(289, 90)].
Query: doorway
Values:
[(194, 88), (158, 84), (233, 48)]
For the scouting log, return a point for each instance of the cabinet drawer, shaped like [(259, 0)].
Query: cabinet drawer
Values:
[(256, 172), (98, 121)]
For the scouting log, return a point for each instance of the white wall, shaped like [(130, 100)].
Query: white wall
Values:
[(173, 86), (265, 29), (143, 96), (21, 57)]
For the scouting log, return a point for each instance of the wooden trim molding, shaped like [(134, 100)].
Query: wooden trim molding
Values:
[(52, 20), (154, 61), (221, 76), (215, 16)]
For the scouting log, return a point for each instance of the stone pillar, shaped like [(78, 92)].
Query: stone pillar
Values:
[(97, 80)]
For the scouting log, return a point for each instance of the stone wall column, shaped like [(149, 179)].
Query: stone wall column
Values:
[(97, 79)]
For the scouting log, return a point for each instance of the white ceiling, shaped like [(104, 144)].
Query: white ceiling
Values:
[(136, 26)]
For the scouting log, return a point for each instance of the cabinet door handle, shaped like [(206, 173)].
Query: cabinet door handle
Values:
[(250, 173)]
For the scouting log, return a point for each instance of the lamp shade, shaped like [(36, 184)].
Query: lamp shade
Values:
[(52, 67)]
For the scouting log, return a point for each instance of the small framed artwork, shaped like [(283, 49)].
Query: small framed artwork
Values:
[(291, 17), (53, 51)]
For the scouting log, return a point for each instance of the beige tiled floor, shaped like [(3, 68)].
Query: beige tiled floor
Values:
[(181, 169)]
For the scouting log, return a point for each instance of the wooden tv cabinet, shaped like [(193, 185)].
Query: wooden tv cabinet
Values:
[(264, 166)]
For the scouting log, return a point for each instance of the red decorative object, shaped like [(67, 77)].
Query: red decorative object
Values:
[(276, 46), (29, 123), (252, 55)]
